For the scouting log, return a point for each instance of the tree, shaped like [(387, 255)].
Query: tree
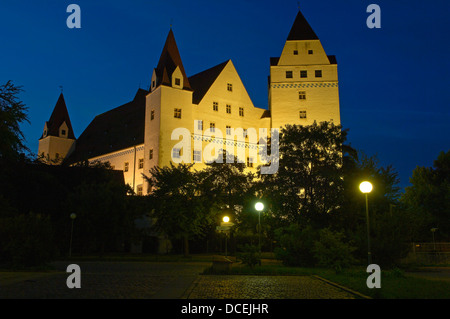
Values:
[(391, 226), (12, 114), (308, 185), (429, 196), (181, 210), (226, 185)]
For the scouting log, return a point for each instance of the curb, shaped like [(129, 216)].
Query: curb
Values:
[(189, 290), (342, 287)]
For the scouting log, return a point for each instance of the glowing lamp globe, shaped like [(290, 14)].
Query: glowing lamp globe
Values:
[(226, 219), (259, 206), (365, 187)]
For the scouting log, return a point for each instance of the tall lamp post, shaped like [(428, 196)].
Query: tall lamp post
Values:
[(259, 207), (226, 220), (72, 217), (366, 188)]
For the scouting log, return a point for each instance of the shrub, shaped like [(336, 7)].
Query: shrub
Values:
[(331, 250), (295, 245), (249, 255), (26, 241)]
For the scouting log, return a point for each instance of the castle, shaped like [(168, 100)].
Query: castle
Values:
[(134, 137)]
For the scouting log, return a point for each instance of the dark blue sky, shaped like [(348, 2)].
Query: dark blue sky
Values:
[(394, 81)]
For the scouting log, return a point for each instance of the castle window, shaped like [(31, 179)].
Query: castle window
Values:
[(302, 95), (45, 133), (244, 133), (303, 114), (212, 127), (318, 73), (177, 81), (228, 109), (141, 163), (295, 52), (228, 130), (215, 106), (249, 162), (139, 190), (176, 153), (152, 115), (241, 111), (126, 166), (153, 84), (150, 154), (63, 132), (310, 51), (200, 125), (197, 156), (229, 87), (288, 74), (303, 74), (177, 113)]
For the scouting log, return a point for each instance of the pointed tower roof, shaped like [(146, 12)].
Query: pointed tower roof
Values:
[(301, 30), (170, 59), (58, 117)]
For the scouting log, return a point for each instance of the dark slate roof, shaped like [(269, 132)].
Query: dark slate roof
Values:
[(332, 59), (201, 82), (301, 30), (265, 114), (274, 61), (58, 117), (120, 128), (168, 62)]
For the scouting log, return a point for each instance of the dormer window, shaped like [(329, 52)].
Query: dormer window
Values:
[(63, 132), (177, 81), (45, 133)]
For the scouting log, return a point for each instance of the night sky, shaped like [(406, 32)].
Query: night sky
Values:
[(394, 81)]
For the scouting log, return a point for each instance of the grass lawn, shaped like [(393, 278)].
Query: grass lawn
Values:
[(395, 284)]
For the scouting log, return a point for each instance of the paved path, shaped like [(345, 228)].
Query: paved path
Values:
[(171, 280), (264, 287), (110, 280)]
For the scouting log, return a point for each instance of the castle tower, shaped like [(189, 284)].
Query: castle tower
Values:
[(303, 82), (168, 106), (57, 140)]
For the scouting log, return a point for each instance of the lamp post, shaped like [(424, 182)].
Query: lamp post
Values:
[(259, 207), (434, 242), (366, 188), (226, 220), (72, 217)]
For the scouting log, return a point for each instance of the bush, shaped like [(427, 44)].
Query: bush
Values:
[(295, 245), (331, 250), (26, 241), (249, 255)]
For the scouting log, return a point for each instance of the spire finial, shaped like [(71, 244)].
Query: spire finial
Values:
[(171, 23)]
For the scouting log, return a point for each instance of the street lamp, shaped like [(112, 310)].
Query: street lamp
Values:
[(227, 224), (259, 207), (72, 217), (366, 188)]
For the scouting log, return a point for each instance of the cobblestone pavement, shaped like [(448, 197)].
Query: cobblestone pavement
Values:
[(110, 280), (264, 287), (159, 280)]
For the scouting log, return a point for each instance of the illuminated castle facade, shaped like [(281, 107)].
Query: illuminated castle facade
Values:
[(210, 106)]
